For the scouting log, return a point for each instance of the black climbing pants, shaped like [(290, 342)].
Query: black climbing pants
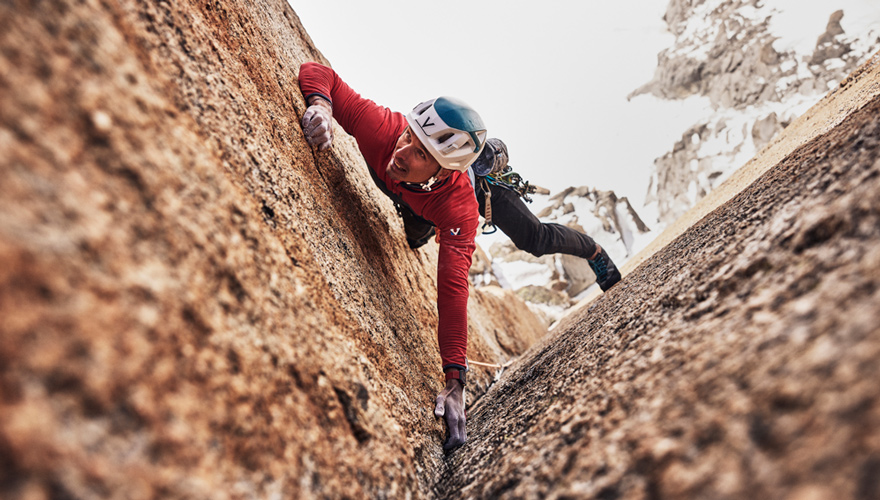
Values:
[(513, 217)]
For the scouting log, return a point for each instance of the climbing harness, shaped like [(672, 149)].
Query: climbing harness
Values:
[(507, 179), (491, 168)]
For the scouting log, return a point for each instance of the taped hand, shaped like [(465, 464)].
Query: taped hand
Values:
[(317, 124), (450, 403)]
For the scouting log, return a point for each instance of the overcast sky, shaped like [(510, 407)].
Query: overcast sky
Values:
[(549, 78), (551, 82)]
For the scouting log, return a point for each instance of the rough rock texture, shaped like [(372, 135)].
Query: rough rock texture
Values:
[(724, 50), (195, 304), (738, 362)]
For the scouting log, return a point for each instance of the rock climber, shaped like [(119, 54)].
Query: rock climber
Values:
[(421, 161)]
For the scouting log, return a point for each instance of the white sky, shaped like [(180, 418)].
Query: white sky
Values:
[(549, 79), (550, 82)]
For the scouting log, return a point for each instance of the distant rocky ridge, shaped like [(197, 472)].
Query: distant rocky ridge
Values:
[(725, 51)]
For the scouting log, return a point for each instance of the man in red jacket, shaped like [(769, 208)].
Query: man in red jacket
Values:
[(420, 161)]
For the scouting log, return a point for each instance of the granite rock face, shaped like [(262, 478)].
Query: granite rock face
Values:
[(196, 304)]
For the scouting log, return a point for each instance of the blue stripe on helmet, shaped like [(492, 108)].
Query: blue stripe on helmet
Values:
[(459, 115)]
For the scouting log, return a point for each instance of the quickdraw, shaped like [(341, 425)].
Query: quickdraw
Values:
[(487, 194)]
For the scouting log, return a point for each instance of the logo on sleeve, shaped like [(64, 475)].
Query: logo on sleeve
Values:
[(455, 231)]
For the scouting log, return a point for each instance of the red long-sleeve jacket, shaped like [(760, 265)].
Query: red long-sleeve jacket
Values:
[(451, 207)]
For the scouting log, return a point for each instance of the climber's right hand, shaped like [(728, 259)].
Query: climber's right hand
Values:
[(317, 124), (450, 405)]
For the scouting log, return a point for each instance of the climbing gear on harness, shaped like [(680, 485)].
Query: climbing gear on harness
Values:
[(450, 130), (491, 167), (509, 179), (487, 193), (607, 273)]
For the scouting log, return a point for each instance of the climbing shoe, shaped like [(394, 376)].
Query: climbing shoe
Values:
[(606, 272)]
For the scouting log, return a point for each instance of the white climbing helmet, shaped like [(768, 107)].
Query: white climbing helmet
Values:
[(450, 129)]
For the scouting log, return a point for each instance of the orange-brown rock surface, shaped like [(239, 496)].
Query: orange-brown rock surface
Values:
[(194, 303)]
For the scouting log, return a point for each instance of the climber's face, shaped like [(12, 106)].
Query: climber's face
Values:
[(411, 161)]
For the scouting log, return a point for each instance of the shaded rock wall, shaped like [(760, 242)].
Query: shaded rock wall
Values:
[(738, 362), (194, 303)]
